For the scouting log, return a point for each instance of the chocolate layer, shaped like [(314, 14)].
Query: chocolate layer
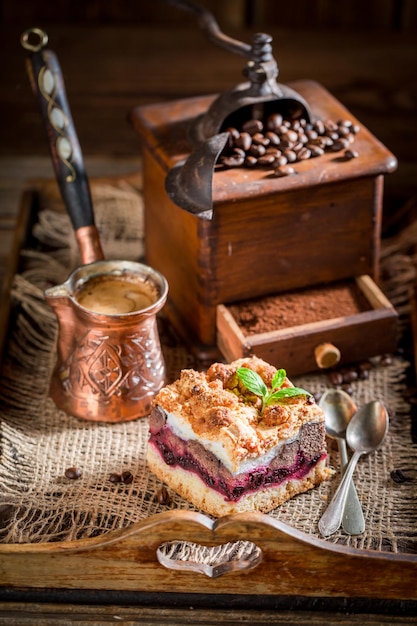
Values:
[(294, 460)]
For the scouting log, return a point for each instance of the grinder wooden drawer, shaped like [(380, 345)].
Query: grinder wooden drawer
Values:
[(360, 334)]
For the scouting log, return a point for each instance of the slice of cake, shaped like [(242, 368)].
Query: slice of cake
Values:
[(239, 437)]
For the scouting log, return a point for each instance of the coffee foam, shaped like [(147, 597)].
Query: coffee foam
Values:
[(115, 295)]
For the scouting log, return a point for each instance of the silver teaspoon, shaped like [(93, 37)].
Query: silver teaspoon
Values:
[(338, 408), (365, 433)]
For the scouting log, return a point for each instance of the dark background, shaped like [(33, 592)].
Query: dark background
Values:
[(116, 55)]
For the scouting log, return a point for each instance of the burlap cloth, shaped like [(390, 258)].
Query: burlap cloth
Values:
[(38, 442)]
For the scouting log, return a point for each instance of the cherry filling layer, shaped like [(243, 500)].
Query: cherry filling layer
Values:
[(294, 461)]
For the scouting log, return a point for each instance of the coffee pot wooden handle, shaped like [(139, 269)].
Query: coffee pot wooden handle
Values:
[(48, 86)]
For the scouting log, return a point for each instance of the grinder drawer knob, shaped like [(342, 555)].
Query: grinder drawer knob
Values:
[(326, 355)]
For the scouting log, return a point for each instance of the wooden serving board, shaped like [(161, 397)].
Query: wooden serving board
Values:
[(292, 564)]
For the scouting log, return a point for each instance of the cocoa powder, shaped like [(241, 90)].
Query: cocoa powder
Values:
[(299, 307)]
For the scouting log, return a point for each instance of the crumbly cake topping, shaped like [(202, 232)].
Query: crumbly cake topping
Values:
[(217, 407)]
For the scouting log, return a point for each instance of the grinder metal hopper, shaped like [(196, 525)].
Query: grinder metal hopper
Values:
[(189, 183)]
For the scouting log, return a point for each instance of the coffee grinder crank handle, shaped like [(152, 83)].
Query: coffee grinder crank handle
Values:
[(47, 83)]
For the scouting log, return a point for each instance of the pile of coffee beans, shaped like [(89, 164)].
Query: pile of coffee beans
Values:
[(277, 143)]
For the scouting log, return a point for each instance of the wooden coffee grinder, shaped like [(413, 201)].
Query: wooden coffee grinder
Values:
[(225, 234)]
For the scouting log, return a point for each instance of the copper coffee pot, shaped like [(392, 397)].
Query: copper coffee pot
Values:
[(109, 362)]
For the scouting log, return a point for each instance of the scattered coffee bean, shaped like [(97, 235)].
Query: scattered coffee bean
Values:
[(385, 360), (340, 144), (127, 477), (398, 476), (73, 473), (351, 154), (163, 496), (115, 478), (284, 170), (350, 375), (335, 378)]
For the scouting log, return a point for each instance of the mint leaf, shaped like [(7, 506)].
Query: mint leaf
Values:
[(252, 381), (287, 392), (278, 378)]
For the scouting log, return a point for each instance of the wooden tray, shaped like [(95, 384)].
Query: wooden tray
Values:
[(281, 563)]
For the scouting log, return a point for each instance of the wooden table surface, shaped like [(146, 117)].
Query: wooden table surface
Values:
[(110, 70)]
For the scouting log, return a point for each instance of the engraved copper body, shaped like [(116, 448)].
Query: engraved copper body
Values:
[(109, 367)]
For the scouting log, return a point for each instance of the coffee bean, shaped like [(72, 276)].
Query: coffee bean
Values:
[(273, 150), (290, 155), (351, 154), (234, 133), (345, 123), (280, 161), (315, 151), (274, 121), (266, 159), (127, 477), (244, 141), (340, 144), (274, 140), (232, 161), (398, 476), (259, 138), (252, 127), (163, 496), (330, 125), (281, 130), (297, 146), (284, 170), (73, 473), (303, 154), (115, 478), (257, 150), (291, 135), (350, 375), (251, 161), (335, 378), (343, 131), (385, 360), (311, 134), (319, 127), (286, 143)]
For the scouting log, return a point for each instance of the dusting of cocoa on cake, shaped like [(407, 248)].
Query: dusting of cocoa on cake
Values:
[(299, 307)]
